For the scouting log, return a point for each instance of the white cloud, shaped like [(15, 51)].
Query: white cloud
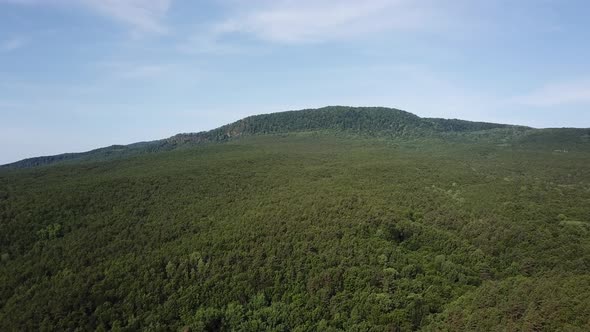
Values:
[(210, 40), (141, 15), (13, 44), (145, 71), (301, 21), (21, 2), (557, 94), (131, 71)]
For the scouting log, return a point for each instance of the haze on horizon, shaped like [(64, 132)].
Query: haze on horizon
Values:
[(82, 74)]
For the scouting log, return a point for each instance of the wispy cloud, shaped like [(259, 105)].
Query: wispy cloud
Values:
[(141, 15), (4, 105), (308, 21), (124, 70), (557, 94), (13, 44), (210, 39)]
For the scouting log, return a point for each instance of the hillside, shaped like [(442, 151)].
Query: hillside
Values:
[(366, 121), (338, 219)]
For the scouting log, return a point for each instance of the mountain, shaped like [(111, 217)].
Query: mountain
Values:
[(338, 219), (374, 121), (370, 121)]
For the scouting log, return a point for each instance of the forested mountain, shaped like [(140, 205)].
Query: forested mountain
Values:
[(337, 219), (366, 121)]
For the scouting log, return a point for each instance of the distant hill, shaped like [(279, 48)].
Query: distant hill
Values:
[(367, 121), (375, 121)]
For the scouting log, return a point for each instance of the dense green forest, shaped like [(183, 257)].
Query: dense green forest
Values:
[(341, 220), (360, 121)]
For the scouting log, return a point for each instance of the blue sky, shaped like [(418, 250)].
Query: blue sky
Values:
[(82, 74)]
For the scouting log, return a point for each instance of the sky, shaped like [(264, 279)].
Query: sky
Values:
[(82, 74)]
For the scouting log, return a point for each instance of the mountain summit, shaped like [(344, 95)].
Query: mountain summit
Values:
[(366, 121), (378, 121)]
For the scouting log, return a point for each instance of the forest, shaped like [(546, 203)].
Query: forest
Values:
[(341, 220)]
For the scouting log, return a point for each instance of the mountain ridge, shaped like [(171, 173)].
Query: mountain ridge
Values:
[(368, 121)]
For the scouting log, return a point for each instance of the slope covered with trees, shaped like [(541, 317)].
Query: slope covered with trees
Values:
[(463, 227), (364, 121)]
